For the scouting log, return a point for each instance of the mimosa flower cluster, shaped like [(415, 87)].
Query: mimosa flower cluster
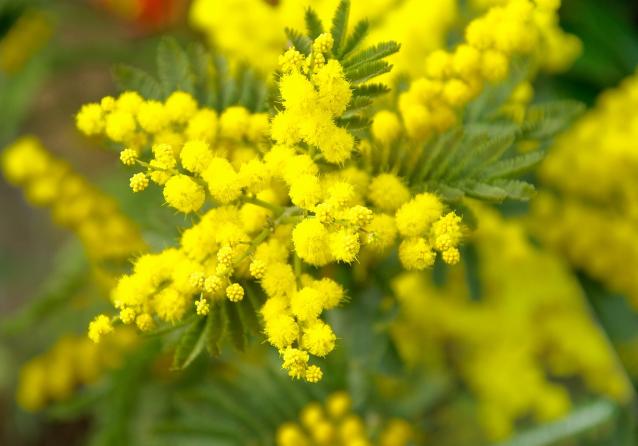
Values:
[(106, 233), (492, 41), (73, 361), (271, 211), (418, 26), (335, 423), (137, 123), (513, 338), (597, 203)]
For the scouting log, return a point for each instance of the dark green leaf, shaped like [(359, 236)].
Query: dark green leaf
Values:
[(340, 26), (484, 191), (174, 69), (214, 328), (546, 120), (357, 36), (190, 344), (366, 72), (201, 63), (234, 324), (515, 189), (354, 123), (371, 90), (371, 54), (514, 166), (313, 24), (129, 78)]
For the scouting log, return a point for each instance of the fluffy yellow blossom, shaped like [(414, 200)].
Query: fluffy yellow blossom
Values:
[(99, 327), (138, 182), (184, 194), (415, 217), (387, 192), (234, 292)]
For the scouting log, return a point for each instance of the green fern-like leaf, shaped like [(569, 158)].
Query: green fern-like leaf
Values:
[(301, 43), (370, 90), (371, 54), (174, 68), (546, 120), (235, 327), (214, 329), (340, 26), (129, 78), (364, 73), (514, 166), (313, 24), (191, 343), (355, 38)]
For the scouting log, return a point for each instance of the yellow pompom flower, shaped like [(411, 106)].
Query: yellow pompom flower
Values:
[(386, 127), (129, 101), (120, 126), (202, 126), (295, 361), (195, 156), (305, 191), (90, 119), (139, 182), (313, 375), (416, 254), (223, 182), (344, 245), (234, 292), (181, 192), (152, 116), (145, 322), (381, 232), (331, 291), (334, 90), (318, 338), (387, 192), (128, 157), (99, 327), (415, 217), (180, 106), (306, 304), (310, 239), (281, 331), (233, 123), (202, 307)]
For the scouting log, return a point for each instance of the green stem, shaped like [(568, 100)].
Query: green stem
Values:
[(277, 210)]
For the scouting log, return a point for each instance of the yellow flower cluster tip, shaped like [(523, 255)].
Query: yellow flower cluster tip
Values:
[(335, 424), (264, 211), (74, 203), (452, 79), (73, 361)]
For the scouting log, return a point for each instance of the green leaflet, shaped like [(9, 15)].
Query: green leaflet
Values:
[(371, 54), (358, 34), (313, 24), (546, 120), (129, 78), (215, 329), (174, 68), (514, 165), (340, 26), (191, 343), (235, 327), (364, 73)]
